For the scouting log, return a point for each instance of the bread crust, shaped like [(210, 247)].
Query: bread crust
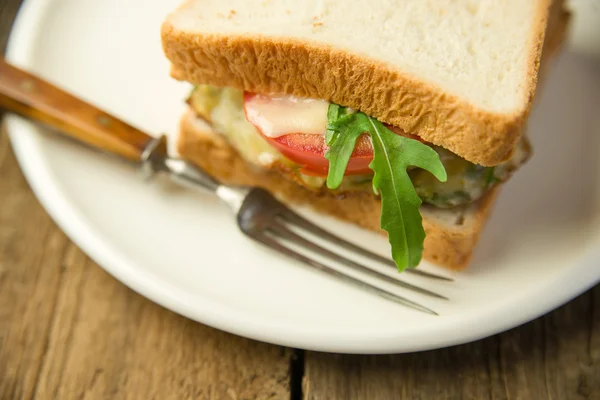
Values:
[(313, 70), (450, 239), (451, 235)]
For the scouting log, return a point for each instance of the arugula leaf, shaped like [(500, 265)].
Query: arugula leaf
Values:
[(393, 154), (342, 131), (334, 112), (400, 217)]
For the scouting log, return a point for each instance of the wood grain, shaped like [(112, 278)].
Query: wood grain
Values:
[(34, 98), (70, 331), (553, 357), (8, 11)]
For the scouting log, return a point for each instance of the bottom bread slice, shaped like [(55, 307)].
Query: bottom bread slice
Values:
[(451, 233)]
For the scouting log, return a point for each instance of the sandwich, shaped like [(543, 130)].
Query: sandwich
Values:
[(405, 118)]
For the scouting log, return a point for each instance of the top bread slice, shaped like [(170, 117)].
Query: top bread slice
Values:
[(459, 73)]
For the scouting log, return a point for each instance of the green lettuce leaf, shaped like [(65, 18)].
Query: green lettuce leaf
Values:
[(393, 155)]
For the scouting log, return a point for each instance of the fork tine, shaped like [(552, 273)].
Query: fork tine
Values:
[(286, 233), (294, 218), (274, 244)]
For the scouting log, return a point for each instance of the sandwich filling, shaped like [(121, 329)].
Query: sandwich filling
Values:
[(324, 146)]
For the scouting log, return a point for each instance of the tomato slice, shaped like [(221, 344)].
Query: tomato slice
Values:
[(296, 128), (308, 150)]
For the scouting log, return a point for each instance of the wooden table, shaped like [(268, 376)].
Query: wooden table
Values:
[(68, 330)]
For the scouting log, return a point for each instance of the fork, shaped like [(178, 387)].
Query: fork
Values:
[(260, 216)]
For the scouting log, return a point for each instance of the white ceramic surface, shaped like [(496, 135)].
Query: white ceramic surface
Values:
[(182, 249), (585, 30)]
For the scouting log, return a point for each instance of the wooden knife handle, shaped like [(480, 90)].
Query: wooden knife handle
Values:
[(36, 99)]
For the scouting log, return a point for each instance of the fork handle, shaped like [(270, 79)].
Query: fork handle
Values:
[(31, 97)]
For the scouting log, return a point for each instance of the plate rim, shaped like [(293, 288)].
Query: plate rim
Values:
[(26, 147)]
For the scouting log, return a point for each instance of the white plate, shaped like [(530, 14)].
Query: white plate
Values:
[(182, 249)]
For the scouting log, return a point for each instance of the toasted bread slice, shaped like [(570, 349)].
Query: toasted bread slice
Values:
[(459, 74), (451, 234)]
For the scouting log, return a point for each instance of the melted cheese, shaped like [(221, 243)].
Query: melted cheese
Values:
[(283, 115), (223, 108)]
